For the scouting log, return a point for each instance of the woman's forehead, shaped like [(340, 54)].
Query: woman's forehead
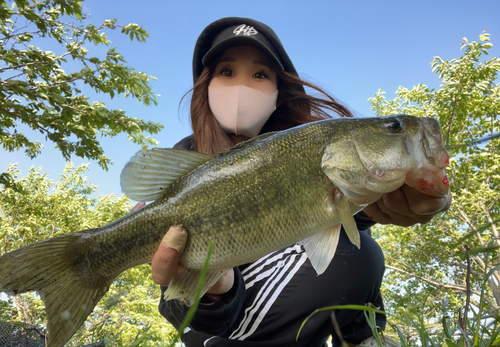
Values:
[(245, 53)]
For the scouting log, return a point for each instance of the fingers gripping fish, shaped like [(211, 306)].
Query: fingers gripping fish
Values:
[(274, 190)]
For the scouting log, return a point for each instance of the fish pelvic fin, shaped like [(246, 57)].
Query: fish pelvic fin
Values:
[(320, 248), (149, 173), (47, 268), (183, 285), (346, 217)]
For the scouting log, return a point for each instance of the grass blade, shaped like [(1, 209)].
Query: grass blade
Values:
[(192, 310), (338, 307)]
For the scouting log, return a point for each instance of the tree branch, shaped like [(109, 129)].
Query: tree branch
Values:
[(493, 227), (452, 114), (472, 226), (24, 65), (446, 286), (22, 308), (26, 120), (493, 203), (494, 290)]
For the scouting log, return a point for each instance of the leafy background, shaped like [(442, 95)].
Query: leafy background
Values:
[(350, 48), (367, 47)]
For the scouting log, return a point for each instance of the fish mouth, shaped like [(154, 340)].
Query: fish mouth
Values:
[(431, 159), (428, 180), (411, 152)]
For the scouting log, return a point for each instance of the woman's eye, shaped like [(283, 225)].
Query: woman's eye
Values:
[(260, 75), (226, 72)]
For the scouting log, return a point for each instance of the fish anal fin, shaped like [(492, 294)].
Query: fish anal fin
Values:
[(150, 172), (342, 206), (183, 285), (320, 248)]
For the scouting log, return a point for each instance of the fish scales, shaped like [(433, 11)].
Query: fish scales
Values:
[(274, 215), (264, 194), (276, 206)]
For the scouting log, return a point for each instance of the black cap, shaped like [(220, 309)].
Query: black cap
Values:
[(240, 35), (236, 31)]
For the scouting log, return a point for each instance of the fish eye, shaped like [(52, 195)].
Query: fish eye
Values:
[(394, 125)]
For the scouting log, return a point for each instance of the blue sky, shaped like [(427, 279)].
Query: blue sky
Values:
[(351, 48)]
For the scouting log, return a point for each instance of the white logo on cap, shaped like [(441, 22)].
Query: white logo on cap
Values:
[(244, 29)]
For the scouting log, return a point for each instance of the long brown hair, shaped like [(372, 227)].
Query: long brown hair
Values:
[(296, 107)]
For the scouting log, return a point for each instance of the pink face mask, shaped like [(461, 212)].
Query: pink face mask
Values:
[(241, 110)]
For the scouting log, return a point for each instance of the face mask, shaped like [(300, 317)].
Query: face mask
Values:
[(241, 110)]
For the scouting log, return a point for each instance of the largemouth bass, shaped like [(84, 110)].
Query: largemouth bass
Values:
[(272, 191)]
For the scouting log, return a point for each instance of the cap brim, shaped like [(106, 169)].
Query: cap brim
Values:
[(222, 46)]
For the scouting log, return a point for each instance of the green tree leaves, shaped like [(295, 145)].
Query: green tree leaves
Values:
[(40, 88), (428, 262), (41, 209), (48, 55)]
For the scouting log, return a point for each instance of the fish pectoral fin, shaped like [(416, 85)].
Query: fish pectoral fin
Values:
[(320, 248), (346, 217), (183, 285), (149, 173)]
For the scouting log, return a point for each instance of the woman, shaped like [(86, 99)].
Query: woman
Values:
[(245, 84)]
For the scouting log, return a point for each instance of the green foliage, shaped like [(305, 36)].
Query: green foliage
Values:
[(43, 209), (342, 307), (37, 90), (473, 331), (429, 262)]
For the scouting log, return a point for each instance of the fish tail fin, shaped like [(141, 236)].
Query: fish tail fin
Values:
[(183, 285), (48, 268)]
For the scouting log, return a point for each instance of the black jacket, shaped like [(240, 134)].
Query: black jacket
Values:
[(272, 296)]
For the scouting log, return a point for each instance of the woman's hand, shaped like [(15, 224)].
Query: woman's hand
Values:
[(407, 206), (165, 262)]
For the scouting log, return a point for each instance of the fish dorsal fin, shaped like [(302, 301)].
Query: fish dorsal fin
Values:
[(150, 172), (320, 248), (346, 217), (248, 143)]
